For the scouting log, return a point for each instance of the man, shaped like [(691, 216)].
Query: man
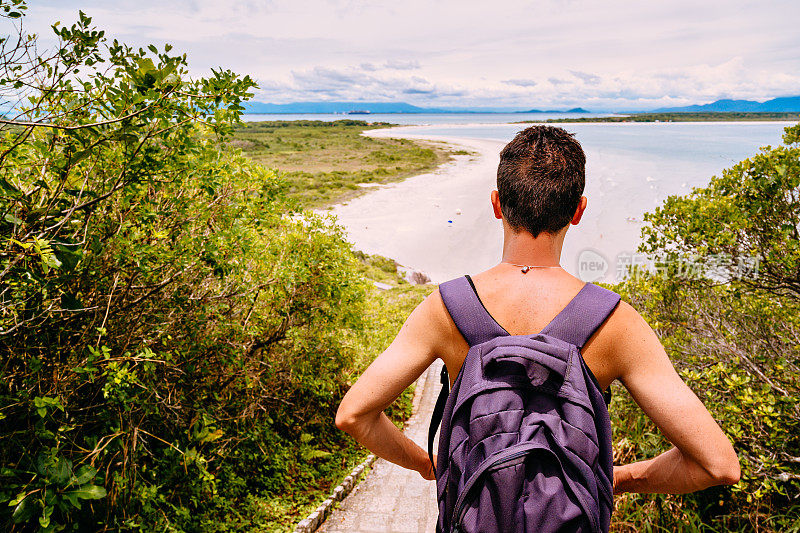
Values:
[(540, 183)]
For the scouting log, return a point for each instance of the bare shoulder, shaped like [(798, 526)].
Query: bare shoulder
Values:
[(429, 325), (624, 321), (631, 345), (429, 317), (624, 341)]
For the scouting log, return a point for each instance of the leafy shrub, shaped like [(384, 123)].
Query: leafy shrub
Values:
[(171, 328), (732, 331)]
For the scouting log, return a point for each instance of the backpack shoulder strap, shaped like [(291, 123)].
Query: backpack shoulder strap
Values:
[(467, 311), (438, 412), (476, 326), (586, 312)]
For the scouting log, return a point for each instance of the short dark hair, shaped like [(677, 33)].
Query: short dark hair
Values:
[(540, 179)]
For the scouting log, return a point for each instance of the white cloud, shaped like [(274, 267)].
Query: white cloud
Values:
[(521, 82), (399, 64), (605, 54), (590, 79)]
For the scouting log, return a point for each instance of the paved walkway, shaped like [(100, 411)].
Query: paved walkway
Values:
[(391, 499)]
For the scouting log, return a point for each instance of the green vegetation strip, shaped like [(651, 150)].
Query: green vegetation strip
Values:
[(322, 163), (680, 117)]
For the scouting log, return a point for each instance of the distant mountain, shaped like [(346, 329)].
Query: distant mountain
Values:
[(333, 107), (786, 104), (378, 107), (573, 110), (473, 110)]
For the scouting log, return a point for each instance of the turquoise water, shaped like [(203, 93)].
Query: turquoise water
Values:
[(631, 168), (709, 144)]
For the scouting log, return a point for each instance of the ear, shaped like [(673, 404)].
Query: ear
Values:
[(576, 218), (498, 214)]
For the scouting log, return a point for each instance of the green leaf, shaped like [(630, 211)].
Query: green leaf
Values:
[(146, 65), (68, 301), (317, 454), (211, 436), (81, 155), (72, 498), (8, 188), (61, 472), (89, 492), (24, 510), (85, 474), (19, 498)]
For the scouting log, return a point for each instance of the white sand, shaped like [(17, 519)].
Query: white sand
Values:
[(408, 221), (415, 221)]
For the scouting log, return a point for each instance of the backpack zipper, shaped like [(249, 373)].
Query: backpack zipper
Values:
[(460, 508), (494, 463)]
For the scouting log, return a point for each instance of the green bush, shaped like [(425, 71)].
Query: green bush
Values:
[(170, 327), (725, 303)]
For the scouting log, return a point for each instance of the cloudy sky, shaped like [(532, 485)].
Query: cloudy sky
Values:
[(599, 54)]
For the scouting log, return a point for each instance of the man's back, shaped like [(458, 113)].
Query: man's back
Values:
[(524, 304), (624, 348), (540, 186), (525, 435)]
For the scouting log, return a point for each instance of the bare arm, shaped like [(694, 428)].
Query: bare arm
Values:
[(361, 412), (702, 455)]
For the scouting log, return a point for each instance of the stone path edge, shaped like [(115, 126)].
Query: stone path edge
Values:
[(317, 517)]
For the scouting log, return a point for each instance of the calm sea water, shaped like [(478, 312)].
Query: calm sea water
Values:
[(708, 144), (631, 169)]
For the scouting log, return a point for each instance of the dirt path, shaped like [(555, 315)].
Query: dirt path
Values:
[(391, 498)]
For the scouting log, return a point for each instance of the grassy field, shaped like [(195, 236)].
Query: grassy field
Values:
[(329, 162), (681, 117)]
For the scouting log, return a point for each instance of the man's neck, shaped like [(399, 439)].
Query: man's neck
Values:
[(522, 248)]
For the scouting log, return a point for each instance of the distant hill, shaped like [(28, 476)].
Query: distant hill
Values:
[(333, 107), (786, 104), (379, 107), (573, 110)]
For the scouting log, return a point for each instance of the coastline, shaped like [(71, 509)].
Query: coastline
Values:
[(416, 221), (432, 221)]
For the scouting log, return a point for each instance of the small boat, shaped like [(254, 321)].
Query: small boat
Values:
[(359, 112)]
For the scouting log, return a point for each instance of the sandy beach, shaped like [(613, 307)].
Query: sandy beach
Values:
[(630, 170), (417, 222)]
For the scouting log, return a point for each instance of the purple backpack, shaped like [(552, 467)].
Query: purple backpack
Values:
[(525, 442)]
